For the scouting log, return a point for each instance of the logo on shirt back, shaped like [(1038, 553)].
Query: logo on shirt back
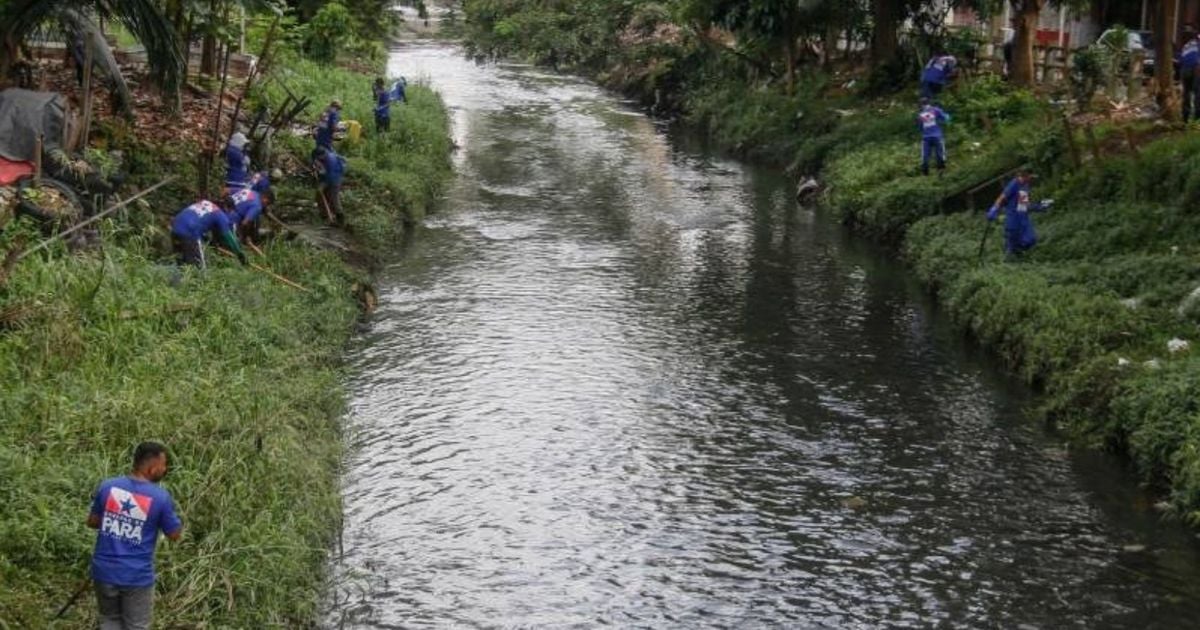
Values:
[(928, 119), (203, 207), (125, 513)]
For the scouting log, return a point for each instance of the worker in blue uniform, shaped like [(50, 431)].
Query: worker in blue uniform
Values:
[(330, 169), (937, 73), (237, 162), (245, 208), (1189, 68), (329, 124), (190, 226), (1014, 201), (930, 119), (383, 108)]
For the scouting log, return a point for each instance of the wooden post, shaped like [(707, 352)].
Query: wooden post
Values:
[(38, 148), (1092, 143), (1135, 74), (1131, 141), (1076, 159), (216, 132)]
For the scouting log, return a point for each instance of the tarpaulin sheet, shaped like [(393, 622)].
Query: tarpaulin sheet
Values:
[(24, 115), (10, 172)]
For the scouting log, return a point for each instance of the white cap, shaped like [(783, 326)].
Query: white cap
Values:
[(238, 140)]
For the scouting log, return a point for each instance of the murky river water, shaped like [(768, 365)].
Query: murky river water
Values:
[(620, 382)]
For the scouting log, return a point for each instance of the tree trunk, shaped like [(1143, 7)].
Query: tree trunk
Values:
[(789, 52), (208, 48), (884, 41), (208, 56), (829, 44), (1164, 44), (1027, 12)]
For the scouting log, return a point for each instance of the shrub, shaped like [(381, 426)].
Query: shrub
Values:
[(329, 32)]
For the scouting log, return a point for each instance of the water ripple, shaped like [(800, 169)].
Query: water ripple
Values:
[(616, 383)]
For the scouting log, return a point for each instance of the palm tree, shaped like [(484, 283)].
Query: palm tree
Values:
[(143, 19)]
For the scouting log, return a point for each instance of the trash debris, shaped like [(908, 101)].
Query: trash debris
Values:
[(854, 503), (1188, 306), (1152, 364), (807, 188), (1131, 303), (1122, 362), (1177, 345)]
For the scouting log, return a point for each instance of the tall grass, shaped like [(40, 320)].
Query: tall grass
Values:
[(238, 373), (1088, 314), (117, 349), (392, 179)]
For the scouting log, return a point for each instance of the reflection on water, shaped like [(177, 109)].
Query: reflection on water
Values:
[(618, 382)]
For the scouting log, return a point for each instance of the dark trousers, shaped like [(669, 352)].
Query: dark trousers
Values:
[(248, 231), (383, 123), (935, 147), (1190, 85), (123, 607), (930, 89), (188, 251), (329, 198)]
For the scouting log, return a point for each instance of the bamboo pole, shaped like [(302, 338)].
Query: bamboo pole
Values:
[(281, 278), (290, 283)]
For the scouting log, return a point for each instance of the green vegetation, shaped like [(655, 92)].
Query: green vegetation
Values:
[(238, 373), (393, 179), (235, 372), (1087, 316), (1090, 312)]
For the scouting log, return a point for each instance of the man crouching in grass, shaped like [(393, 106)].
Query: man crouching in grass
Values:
[(129, 512)]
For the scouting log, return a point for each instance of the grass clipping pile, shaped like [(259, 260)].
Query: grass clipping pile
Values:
[(50, 201)]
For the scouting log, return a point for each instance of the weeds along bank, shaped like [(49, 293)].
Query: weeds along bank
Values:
[(237, 373), (1087, 316)]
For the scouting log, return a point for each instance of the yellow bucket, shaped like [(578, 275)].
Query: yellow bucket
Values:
[(353, 130)]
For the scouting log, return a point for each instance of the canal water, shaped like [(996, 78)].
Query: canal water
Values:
[(619, 381)]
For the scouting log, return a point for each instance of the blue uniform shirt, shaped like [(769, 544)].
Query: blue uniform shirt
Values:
[(383, 105), (247, 205), (237, 171), (260, 182), (398, 92), (325, 129), (131, 514), (332, 167), (1189, 57), (203, 216), (939, 69), (931, 119)]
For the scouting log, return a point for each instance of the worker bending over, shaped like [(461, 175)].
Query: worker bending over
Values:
[(191, 225), (245, 208)]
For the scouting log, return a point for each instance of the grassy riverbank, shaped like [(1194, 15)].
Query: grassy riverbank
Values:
[(1086, 317), (237, 373)]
